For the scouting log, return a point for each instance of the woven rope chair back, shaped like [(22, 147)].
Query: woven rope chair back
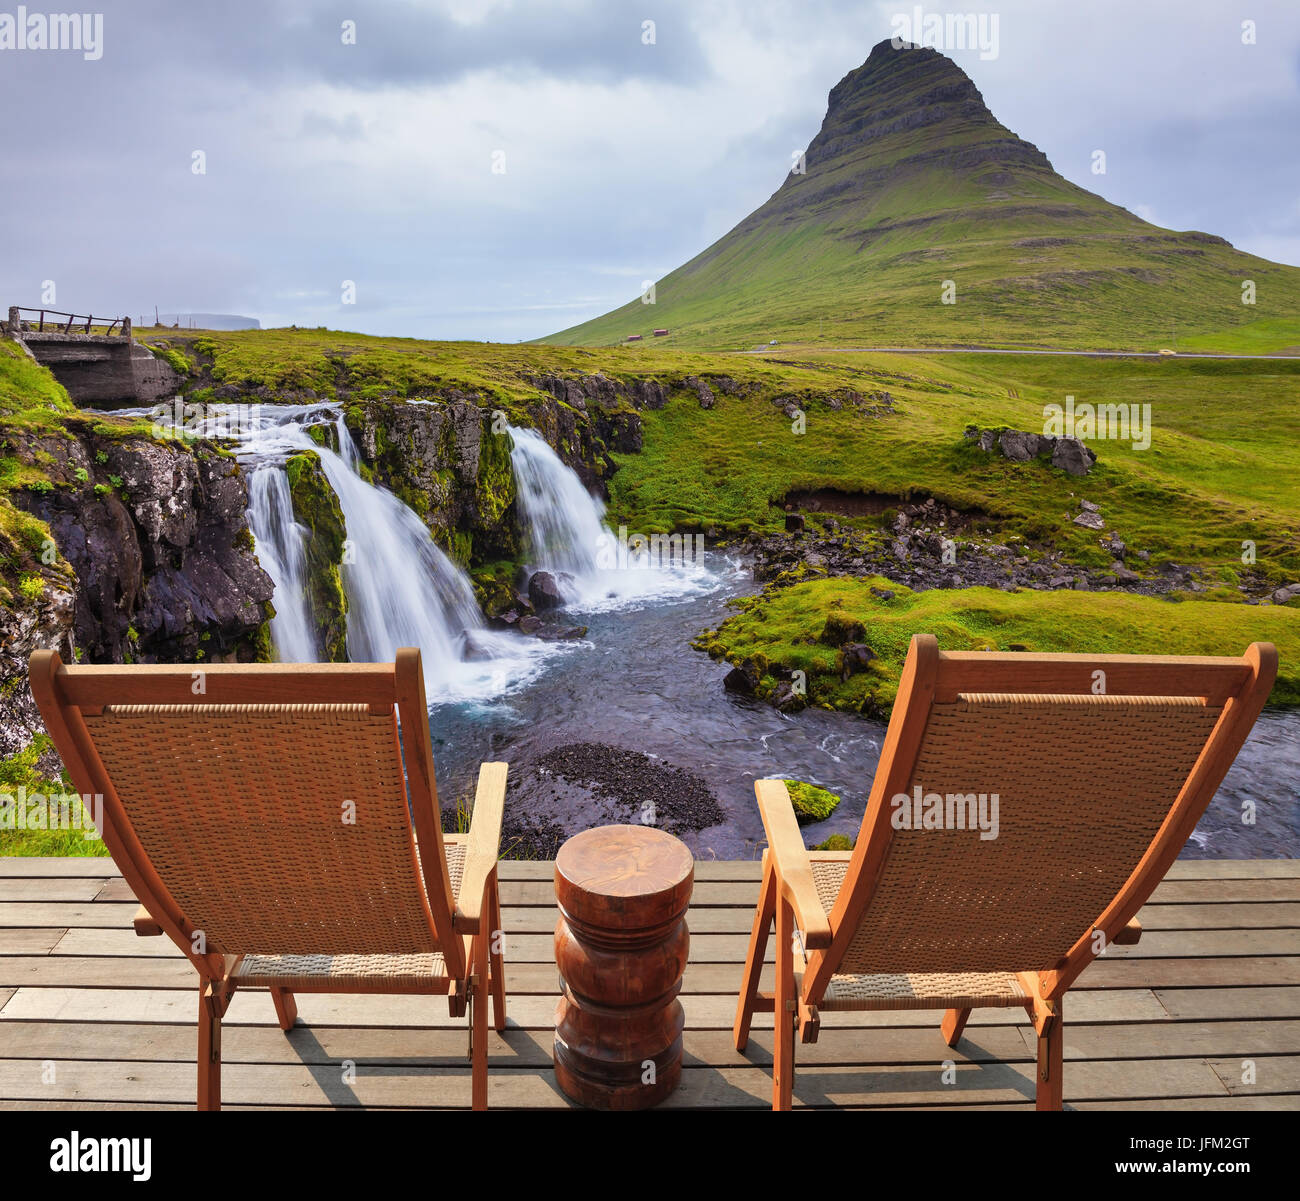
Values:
[(277, 828), (1083, 784)]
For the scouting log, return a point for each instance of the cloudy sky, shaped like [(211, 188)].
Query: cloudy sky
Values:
[(499, 170)]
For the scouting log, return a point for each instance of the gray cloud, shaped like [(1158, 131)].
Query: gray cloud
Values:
[(373, 163)]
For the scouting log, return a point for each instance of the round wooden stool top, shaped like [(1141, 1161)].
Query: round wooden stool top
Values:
[(623, 878)]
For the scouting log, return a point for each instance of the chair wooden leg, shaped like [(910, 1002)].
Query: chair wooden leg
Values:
[(496, 960), (785, 1008), (954, 1022), (209, 1057), (763, 915), (478, 1017), (1051, 1059), (286, 1008)]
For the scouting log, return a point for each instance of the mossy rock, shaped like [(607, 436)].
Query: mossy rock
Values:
[(836, 842), (494, 587), (811, 804), (841, 628), (316, 506)]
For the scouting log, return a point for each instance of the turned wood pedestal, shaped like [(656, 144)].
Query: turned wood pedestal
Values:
[(620, 945)]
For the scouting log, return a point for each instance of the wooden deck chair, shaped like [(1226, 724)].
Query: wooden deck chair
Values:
[(260, 815), (1097, 793)]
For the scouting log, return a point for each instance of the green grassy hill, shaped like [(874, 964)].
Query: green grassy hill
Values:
[(912, 182)]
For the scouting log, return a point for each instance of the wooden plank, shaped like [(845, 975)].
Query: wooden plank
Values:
[(1244, 971), (90, 914), (20, 866), (173, 971), (29, 942), (1183, 944), (115, 889), (1262, 1074), (118, 939), (1239, 1103), (5, 994), (1184, 892), (541, 916), (1277, 915), (439, 1086), (35, 889), (1181, 1039), (70, 971), (1234, 869), (515, 1047), (703, 1011), (1193, 1004), (111, 942)]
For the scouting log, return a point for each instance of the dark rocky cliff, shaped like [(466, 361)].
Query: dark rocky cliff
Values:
[(142, 554)]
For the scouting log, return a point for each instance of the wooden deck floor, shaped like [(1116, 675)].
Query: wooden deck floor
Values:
[(93, 1017)]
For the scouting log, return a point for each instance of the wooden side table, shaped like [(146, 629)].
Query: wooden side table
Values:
[(621, 945)]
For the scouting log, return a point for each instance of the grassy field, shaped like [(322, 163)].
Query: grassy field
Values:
[(782, 628), (1223, 467)]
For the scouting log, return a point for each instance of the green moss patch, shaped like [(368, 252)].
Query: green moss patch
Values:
[(811, 803), (782, 628), (316, 506)]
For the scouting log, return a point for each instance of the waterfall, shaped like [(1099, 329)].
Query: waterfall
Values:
[(567, 536), (565, 523), (281, 548), (401, 589)]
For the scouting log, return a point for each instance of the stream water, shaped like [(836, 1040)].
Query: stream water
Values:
[(631, 701)]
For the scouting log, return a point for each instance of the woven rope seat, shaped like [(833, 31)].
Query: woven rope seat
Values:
[(953, 918), (269, 822), (354, 973), (906, 990)]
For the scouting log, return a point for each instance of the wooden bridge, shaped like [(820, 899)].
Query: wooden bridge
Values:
[(1203, 1013)]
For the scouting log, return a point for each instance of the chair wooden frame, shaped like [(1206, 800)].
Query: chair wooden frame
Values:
[(465, 924), (789, 897)]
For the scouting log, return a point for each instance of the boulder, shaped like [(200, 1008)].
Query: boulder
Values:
[(854, 657), (702, 390), (785, 699), (544, 592), (1020, 447), (841, 629), (562, 634), (743, 679), (1072, 456)]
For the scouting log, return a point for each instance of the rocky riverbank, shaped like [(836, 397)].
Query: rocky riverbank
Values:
[(927, 544)]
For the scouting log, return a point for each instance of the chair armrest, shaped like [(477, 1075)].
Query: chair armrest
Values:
[(790, 857), (484, 847), (144, 924)]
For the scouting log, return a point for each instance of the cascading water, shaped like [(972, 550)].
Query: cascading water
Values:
[(594, 568), (401, 589), (281, 547)]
